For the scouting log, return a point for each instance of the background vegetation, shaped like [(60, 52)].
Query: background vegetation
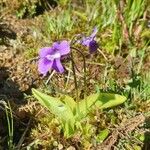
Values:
[(122, 66)]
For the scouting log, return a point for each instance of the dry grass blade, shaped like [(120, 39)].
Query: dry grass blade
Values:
[(19, 145)]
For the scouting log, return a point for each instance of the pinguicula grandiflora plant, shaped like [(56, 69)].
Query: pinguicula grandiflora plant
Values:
[(69, 111)]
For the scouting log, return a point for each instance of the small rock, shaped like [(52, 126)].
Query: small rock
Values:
[(60, 146), (55, 143), (71, 148)]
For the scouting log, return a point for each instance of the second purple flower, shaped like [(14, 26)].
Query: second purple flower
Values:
[(90, 41)]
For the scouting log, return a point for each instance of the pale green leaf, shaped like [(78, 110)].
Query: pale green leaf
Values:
[(84, 106), (53, 104), (69, 101), (108, 100), (103, 135), (58, 108)]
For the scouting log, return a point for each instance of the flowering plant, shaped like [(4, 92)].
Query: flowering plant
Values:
[(69, 111)]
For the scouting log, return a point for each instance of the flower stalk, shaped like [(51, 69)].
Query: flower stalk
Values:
[(84, 70), (74, 75)]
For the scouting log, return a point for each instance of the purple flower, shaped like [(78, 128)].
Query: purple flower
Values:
[(50, 57), (90, 42)]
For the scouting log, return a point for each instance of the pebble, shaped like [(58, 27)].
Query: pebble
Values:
[(71, 148)]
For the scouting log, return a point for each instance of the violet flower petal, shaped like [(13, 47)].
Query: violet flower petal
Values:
[(95, 30), (86, 41), (44, 65), (58, 66), (63, 47), (45, 51)]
